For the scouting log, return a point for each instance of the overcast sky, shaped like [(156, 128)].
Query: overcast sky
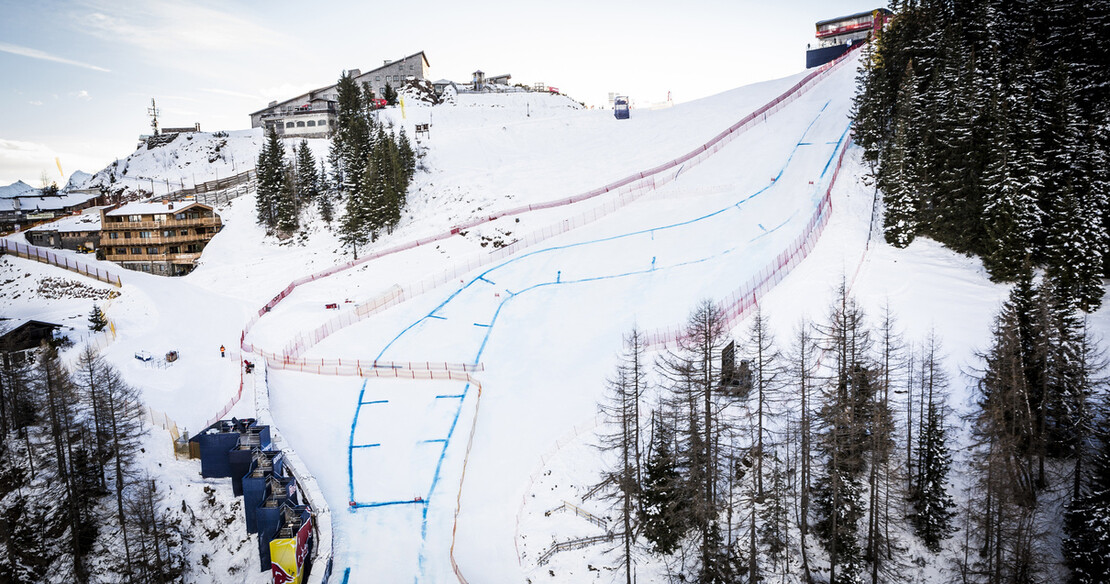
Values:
[(78, 76)]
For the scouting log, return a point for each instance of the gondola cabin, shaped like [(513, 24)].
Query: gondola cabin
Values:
[(836, 35), (620, 107)]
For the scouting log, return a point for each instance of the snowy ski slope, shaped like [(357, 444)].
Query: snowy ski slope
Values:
[(544, 323)]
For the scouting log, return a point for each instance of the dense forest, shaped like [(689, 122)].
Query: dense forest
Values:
[(987, 127), (371, 167), (833, 456), (839, 456)]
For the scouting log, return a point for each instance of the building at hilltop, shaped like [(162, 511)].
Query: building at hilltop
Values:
[(312, 114), (836, 35), (158, 238)]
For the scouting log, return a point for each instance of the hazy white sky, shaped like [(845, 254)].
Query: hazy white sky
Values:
[(78, 75)]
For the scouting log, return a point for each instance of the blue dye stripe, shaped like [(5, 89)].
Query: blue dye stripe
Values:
[(651, 231), (437, 316), (377, 401), (480, 324), (486, 280), (350, 444), (455, 396), (385, 504), (482, 276), (767, 232), (432, 441), (835, 150), (364, 445), (346, 575)]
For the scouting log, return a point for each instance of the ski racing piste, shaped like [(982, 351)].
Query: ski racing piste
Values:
[(627, 190)]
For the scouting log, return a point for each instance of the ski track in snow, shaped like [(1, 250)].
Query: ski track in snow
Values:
[(400, 442)]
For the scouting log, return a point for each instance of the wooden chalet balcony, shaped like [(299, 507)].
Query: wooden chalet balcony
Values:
[(158, 239), (157, 257), (153, 225)]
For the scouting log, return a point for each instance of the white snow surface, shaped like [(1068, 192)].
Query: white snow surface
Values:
[(545, 324)]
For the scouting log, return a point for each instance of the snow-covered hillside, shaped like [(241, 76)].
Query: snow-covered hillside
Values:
[(545, 324)]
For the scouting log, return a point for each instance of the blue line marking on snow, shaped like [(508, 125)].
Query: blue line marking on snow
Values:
[(433, 440), (653, 263), (760, 225), (350, 444), (805, 143), (767, 232), (437, 316), (829, 163), (375, 445), (346, 575), (455, 396), (385, 504), (376, 401), (558, 281), (487, 281), (558, 275)]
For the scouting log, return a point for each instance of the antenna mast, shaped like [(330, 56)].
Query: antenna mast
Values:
[(152, 111)]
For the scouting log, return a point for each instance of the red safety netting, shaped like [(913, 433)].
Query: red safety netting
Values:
[(626, 191), (736, 306)]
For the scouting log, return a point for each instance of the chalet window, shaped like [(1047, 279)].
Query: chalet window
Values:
[(288, 124), (167, 233), (152, 250), (121, 250), (113, 235), (311, 123), (160, 217), (184, 232), (137, 250), (134, 218), (127, 235), (300, 124), (144, 235), (172, 249)]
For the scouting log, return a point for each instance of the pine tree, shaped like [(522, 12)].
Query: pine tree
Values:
[(693, 378), (307, 183), (97, 320), (622, 439), (899, 180), (932, 505), (352, 148), (288, 215), (1076, 244), (324, 199), (848, 417), (271, 179), (662, 506), (1086, 544)]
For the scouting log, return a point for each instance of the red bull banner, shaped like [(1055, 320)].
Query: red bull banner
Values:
[(287, 556)]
